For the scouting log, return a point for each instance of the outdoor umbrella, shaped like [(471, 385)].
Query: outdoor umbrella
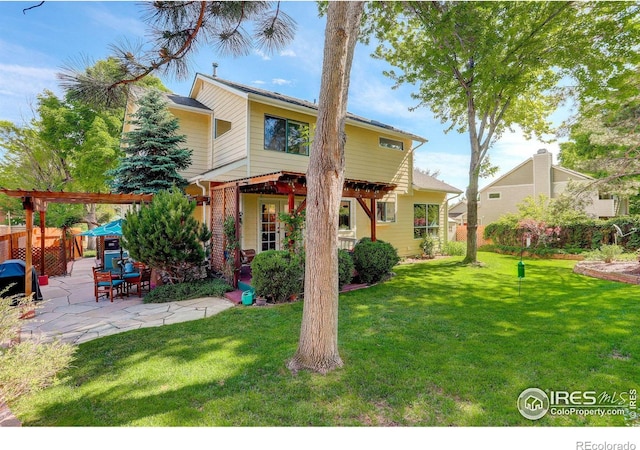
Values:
[(110, 229)]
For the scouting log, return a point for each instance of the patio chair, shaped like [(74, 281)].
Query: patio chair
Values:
[(105, 284), (133, 279), (145, 276), (246, 256)]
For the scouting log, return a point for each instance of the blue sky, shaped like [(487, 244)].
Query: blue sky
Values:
[(35, 45)]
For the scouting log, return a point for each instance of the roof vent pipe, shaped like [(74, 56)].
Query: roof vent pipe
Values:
[(215, 69)]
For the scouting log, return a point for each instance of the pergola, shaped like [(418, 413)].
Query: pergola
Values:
[(37, 201), (225, 201)]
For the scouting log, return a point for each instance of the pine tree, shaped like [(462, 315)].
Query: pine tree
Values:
[(153, 154), (165, 235)]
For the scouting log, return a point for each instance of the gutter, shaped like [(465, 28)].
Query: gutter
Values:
[(204, 193)]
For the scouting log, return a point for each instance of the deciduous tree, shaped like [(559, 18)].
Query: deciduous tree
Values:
[(484, 67), (318, 345)]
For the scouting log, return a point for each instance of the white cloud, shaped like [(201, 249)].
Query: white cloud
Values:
[(288, 52), (513, 148), (127, 26), (20, 86), (453, 168), (281, 82), (260, 82), (262, 55)]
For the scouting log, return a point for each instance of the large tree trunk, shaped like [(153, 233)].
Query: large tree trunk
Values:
[(318, 345), (472, 216), (472, 188)]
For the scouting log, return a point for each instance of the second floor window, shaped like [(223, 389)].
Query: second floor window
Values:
[(284, 135)]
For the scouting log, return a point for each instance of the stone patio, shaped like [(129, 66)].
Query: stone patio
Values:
[(70, 313)]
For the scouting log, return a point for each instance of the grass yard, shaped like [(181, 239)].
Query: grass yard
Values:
[(440, 344)]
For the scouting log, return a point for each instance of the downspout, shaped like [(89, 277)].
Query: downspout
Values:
[(204, 194), (446, 202)]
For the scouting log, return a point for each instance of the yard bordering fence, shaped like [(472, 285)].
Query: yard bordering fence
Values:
[(60, 247), (461, 235)]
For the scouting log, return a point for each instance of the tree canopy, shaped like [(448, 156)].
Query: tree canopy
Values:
[(485, 67), (179, 29)]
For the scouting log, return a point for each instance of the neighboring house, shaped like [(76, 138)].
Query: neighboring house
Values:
[(538, 175), (250, 157), (458, 212)]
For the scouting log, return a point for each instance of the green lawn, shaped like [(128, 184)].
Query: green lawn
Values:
[(440, 344)]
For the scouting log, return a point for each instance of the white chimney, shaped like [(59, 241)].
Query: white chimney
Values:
[(542, 163)]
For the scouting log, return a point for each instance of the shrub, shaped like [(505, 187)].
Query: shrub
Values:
[(277, 275), (187, 291), (454, 248), (26, 366), (345, 268), (166, 235), (606, 253), (428, 244), (374, 260)]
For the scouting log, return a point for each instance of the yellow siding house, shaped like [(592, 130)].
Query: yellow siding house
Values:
[(251, 153)]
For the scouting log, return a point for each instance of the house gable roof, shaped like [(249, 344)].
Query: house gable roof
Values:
[(528, 165), (186, 102), (424, 182), (262, 95)]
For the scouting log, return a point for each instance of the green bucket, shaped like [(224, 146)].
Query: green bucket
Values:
[(247, 297)]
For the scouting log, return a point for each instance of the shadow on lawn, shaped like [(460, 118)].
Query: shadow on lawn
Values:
[(439, 344)]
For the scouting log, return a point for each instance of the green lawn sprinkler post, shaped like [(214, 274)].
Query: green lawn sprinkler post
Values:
[(526, 239)]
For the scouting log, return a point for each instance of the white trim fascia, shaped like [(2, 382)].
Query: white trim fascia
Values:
[(248, 141), (190, 109), (572, 172), (209, 175), (508, 186), (222, 86)]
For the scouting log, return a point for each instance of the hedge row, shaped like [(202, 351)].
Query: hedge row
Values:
[(581, 235)]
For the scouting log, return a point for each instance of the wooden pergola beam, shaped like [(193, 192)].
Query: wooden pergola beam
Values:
[(37, 200), (79, 197)]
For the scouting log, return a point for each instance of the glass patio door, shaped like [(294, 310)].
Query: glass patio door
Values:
[(270, 225)]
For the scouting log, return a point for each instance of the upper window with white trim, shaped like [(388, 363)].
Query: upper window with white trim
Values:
[(385, 211), (391, 143), (221, 127), (284, 135)]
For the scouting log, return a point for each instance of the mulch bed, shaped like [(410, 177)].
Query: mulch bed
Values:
[(622, 271)]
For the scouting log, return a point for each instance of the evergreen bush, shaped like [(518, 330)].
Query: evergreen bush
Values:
[(276, 275), (165, 235), (345, 268), (187, 291), (374, 260), (153, 154), (606, 253)]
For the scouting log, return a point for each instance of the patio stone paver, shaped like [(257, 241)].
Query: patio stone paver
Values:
[(70, 312)]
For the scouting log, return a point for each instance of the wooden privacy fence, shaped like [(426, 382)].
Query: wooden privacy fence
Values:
[(461, 235), (59, 249)]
